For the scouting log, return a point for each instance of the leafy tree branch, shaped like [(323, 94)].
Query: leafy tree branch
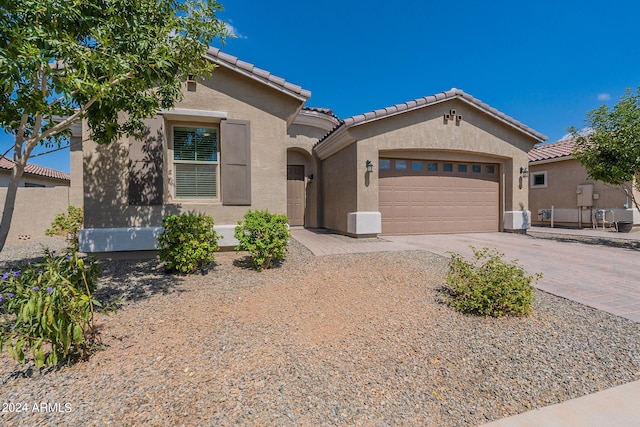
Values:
[(611, 153), (109, 63)]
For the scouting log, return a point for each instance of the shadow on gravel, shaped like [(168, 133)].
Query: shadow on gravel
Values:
[(18, 263), (134, 280), (611, 242), (9, 261), (246, 264)]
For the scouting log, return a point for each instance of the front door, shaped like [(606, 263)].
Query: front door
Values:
[(295, 194)]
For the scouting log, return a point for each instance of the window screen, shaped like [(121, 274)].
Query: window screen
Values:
[(195, 155)]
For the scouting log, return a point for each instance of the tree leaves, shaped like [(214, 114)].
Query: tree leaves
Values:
[(611, 154), (104, 60)]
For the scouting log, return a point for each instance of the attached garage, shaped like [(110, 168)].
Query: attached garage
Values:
[(426, 197), (446, 163)]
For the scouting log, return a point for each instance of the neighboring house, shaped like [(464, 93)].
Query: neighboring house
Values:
[(557, 180), (43, 192), (34, 175), (244, 140)]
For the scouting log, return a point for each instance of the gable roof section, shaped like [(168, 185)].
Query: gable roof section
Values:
[(233, 63), (37, 170), (425, 102), (560, 150)]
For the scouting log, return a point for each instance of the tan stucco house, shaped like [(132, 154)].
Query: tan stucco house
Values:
[(42, 193), (34, 176), (560, 190), (245, 140)]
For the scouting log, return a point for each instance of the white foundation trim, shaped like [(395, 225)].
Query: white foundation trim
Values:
[(364, 223), (138, 238)]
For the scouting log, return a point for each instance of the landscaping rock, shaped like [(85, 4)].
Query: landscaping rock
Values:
[(351, 339)]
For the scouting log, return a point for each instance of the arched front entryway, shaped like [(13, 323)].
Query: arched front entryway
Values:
[(300, 175)]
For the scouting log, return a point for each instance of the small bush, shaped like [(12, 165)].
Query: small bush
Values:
[(46, 309), (489, 286), (68, 225), (188, 242), (265, 236)]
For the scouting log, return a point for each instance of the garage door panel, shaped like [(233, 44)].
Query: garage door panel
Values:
[(441, 202), (417, 195)]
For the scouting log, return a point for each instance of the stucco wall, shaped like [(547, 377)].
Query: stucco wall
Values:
[(563, 178), (35, 209), (239, 97), (300, 142), (424, 134), (340, 180)]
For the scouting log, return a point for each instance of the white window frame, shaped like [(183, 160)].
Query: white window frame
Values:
[(532, 180), (173, 162)]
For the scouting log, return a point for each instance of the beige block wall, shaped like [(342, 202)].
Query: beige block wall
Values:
[(563, 178), (5, 176), (424, 134), (35, 209), (106, 173)]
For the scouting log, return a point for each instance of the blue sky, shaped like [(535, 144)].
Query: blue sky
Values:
[(545, 63)]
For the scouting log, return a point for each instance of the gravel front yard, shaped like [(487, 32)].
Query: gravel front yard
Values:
[(350, 339)]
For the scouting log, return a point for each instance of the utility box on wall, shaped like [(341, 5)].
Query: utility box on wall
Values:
[(585, 195)]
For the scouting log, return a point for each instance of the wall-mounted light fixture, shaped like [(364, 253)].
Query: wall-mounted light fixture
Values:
[(310, 178), (524, 172), (369, 166)]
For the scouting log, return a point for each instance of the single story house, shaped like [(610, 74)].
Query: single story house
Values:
[(34, 176), (244, 139), (559, 187), (42, 194)]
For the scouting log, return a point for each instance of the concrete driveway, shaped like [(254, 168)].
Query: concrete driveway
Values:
[(603, 277)]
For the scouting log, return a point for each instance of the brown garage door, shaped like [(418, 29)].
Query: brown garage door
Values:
[(422, 197)]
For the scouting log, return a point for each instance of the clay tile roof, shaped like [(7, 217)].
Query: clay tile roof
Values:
[(439, 97), (553, 150), (32, 169), (327, 111), (232, 62)]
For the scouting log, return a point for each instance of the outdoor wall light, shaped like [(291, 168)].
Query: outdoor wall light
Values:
[(369, 166), (310, 178), (524, 172)]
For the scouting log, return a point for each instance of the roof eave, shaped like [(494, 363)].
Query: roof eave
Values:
[(337, 140), (249, 70), (316, 119), (552, 160)]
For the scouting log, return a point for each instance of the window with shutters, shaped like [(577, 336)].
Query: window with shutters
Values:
[(196, 162)]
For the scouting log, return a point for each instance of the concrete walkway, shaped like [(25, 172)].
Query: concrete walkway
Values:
[(603, 277), (615, 407)]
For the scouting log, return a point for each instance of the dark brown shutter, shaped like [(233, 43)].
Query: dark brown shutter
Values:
[(145, 167), (235, 157)]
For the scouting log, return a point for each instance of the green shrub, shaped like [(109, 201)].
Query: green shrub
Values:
[(68, 225), (188, 242), (265, 236), (489, 286), (46, 308)]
